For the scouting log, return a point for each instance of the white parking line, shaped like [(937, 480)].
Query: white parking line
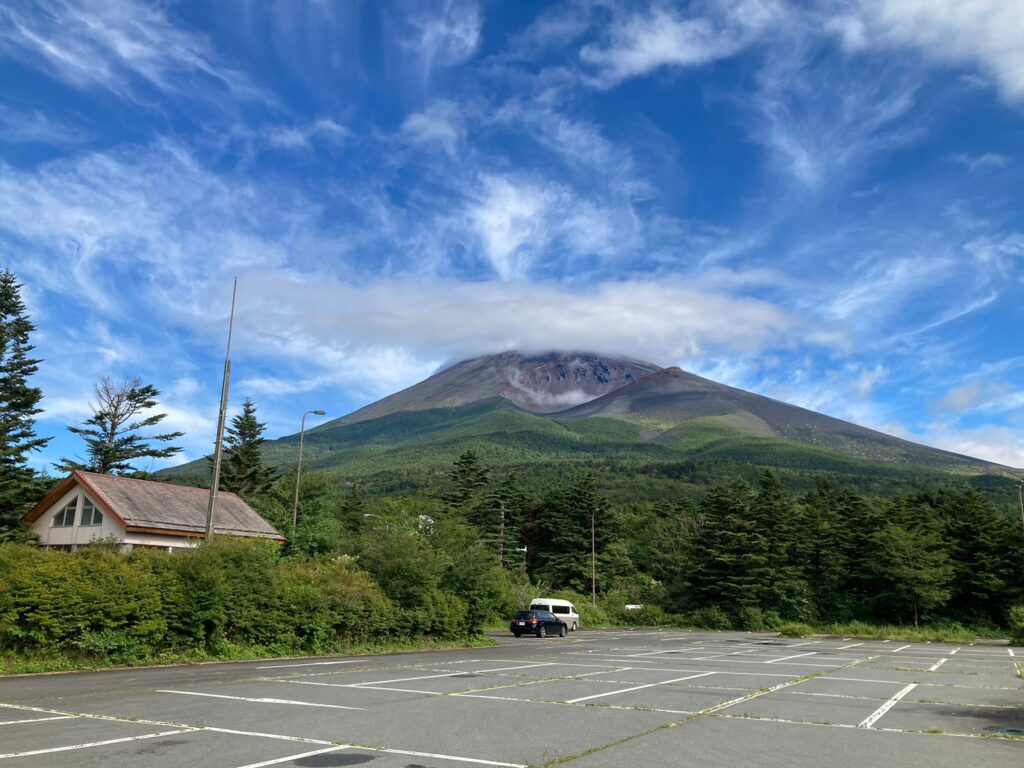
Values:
[(877, 714), (937, 664), (37, 720), (1010, 651), (851, 645), (290, 758), (454, 674), (72, 747), (636, 688), (359, 687), (787, 658), (901, 648), (310, 664), (261, 700), (953, 651)]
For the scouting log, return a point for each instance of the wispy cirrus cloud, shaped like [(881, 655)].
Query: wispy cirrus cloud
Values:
[(32, 126), (642, 41), (118, 45)]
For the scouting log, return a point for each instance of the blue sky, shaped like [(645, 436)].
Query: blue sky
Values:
[(821, 202)]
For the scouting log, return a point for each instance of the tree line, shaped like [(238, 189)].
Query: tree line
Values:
[(743, 551)]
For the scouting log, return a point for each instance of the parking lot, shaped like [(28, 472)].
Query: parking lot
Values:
[(594, 699)]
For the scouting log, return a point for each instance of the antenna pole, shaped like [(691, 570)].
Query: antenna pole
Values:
[(218, 450)]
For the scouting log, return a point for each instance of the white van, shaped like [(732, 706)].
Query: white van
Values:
[(563, 609)]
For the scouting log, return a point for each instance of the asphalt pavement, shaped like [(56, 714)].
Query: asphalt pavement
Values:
[(593, 700)]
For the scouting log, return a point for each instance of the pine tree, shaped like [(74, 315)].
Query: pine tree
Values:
[(776, 516), (470, 478), (911, 562), (564, 526), (112, 435), (731, 562), (498, 517), (19, 403), (242, 471), (979, 540)]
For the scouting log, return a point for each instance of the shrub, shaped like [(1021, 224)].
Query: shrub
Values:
[(752, 619), (1017, 623), (711, 617), (796, 629)]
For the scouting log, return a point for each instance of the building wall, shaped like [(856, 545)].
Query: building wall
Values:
[(79, 535)]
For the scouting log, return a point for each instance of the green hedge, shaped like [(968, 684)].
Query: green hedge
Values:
[(97, 603)]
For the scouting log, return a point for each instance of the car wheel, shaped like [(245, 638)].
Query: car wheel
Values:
[(517, 634), (562, 631), (575, 626), (540, 632)]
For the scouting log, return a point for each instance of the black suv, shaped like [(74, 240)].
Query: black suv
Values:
[(539, 623)]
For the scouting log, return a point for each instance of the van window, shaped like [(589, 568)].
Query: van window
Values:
[(560, 608), (540, 607)]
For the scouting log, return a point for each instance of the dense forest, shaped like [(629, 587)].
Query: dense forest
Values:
[(739, 555)]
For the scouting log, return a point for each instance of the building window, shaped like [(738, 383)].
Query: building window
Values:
[(66, 517), (91, 515)]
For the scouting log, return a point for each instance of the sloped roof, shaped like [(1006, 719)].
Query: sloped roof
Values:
[(157, 507)]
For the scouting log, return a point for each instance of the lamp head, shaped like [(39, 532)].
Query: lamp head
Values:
[(319, 413)]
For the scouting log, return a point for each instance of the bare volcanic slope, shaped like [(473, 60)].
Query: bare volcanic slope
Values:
[(677, 406), (543, 383)]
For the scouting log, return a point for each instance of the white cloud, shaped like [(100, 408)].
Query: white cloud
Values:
[(981, 162), (507, 218), (303, 136), (441, 123), (319, 319), (520, 223), (996, 443), (821, 124), (442, 34), (34, 127), (982, 33), (111, 44), (659, 37), (883, 288)]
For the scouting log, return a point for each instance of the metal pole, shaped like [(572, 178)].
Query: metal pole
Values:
[(298, 469), (593, 561), (211, 508), (1020, 498)]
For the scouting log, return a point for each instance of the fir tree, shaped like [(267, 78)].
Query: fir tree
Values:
[(469, 478), (911, 561), (242, 471), (112, 433), (979, 545), (731, 562), (498, 517), (19, 404)]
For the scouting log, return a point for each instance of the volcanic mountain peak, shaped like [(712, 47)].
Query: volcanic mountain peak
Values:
[(537, 383)]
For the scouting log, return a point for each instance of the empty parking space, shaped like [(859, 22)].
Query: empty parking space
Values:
[(601, 697)]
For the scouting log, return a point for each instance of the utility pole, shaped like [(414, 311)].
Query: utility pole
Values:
[(593, 558), (218, 450), (501, 535), (1020, 498)]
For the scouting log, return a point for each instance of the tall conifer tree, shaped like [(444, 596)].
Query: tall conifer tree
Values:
[(112, 434), (243, 471), (19, 404)]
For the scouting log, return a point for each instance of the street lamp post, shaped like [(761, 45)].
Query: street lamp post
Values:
[(1020, 498), (593, 559), (298, 468)]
